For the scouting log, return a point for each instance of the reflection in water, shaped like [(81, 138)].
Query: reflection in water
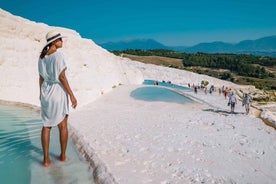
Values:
[(21, 153)]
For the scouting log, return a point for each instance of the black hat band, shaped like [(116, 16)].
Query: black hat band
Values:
[(53, 37)]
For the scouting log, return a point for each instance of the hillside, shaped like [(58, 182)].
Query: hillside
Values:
[(157, 60), (178, 63)]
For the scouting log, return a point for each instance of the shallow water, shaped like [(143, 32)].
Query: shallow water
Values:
[(166, 84), (154, 93), (21, 153)]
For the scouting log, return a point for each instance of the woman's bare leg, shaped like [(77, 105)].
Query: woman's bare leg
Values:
[(45, 140), (63, 137)]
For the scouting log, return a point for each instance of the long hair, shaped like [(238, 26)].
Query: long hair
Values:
[(44, 51)]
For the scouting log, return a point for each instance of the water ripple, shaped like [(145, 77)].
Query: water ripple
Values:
[(21, 153)]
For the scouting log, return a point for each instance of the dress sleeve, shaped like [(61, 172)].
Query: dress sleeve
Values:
[(61, 64), (40, 68)]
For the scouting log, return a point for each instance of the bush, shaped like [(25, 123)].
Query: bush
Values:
[(204, 83), (258, 85)]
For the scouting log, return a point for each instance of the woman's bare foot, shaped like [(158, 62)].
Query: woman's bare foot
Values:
[(62, 157), (46, 162)]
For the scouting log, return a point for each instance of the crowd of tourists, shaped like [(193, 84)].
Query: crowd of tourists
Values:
[(228, 93)]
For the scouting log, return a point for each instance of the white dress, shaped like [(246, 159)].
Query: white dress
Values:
[(54, 99)]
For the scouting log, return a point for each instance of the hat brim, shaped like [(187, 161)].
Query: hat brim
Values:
[(54, 39)]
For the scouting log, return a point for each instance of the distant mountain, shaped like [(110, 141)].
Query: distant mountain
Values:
[(144, 44), (217, 47), (265, 46)]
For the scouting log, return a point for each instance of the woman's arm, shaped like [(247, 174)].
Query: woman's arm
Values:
[(64, 82)]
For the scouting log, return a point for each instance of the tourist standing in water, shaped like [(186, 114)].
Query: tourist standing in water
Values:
[(54, 92)]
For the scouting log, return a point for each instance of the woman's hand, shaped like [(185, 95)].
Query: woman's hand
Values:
[(73, 101)]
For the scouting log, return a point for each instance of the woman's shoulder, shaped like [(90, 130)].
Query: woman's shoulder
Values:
[(58, 54)]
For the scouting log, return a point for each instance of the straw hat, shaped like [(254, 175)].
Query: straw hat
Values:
[(52, 36)]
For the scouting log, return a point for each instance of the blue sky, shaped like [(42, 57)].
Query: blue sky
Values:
[(171, 22)]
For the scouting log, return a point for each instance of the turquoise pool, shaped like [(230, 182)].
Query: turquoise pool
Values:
[(155, 93), (166, 84), (21, 153)]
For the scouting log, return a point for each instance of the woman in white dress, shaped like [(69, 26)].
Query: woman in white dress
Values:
[(54, 92)]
